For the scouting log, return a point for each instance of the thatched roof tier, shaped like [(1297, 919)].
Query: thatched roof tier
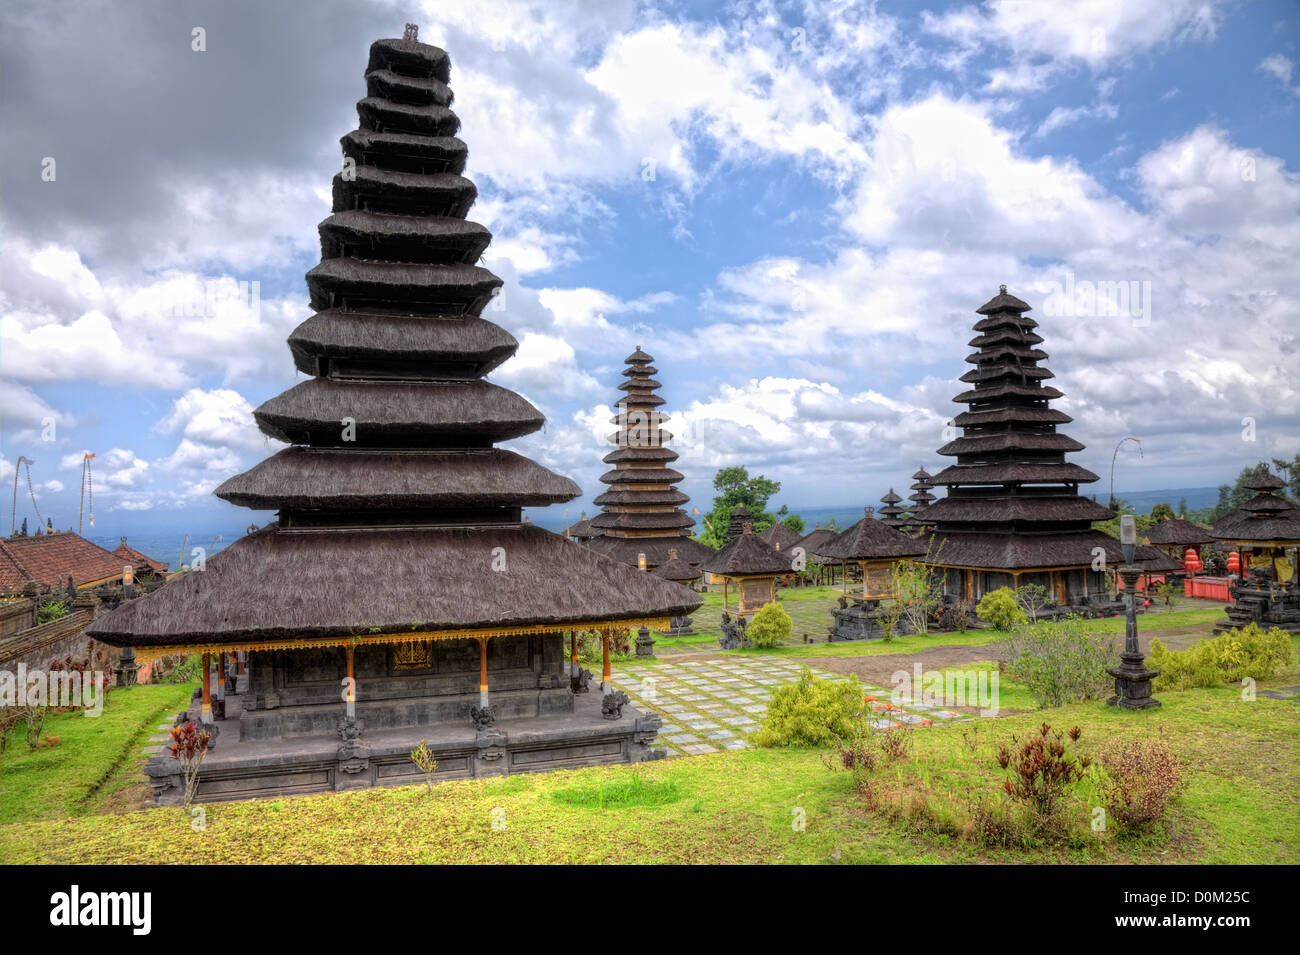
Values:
[(1070, 507), (631, 404), (582, 530), (640, 370), (279, 585), (670, 496), (394, 190), (640, 436), (1008, 391), (1265, 481), (396, 414), (640, 454), (1009, 441), (871, 539), (359, 345), (993, 370), (1177, 532), (749, 556), (1009, 350), (346, 479), (410, 58), (1001, 303), (640, 418), (781, 537), (428, 119), (627, 550), (987, 418), (660, 519), (403, 152), (374, 235), (1036, 551), (640, 383), (638, 357), (641, 475), (437, 290), (676, 569), (419, 90), (1011, 337), (1014, 472)]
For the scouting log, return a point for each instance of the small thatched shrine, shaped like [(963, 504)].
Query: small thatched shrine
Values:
[(400, 595), (740, 516), (1174, 534), (752, 566), (875, 546), (1265, 532), (811, 545), (1013, 514), (581, 531), (643, 516)]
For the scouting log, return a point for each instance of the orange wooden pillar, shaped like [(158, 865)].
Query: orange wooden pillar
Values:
[(240, 657), (351, 693), (482, 672), (606, 687), (205, 709), (573, 653), (221, 675)]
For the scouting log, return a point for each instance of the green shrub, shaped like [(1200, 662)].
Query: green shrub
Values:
[(51, 610), (770, 626), (813, 712), (1001, 609), (1249, 651), (1061, 661)]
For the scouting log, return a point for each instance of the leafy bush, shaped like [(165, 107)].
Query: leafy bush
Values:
[(813, 712), (51, 610), (1142, 776), (770, 626), (1042, 767), (1001, 609), (176, 668), (1061, 661), (1248, 651)]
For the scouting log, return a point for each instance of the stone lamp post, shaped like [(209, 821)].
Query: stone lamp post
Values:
[(1132, 678)]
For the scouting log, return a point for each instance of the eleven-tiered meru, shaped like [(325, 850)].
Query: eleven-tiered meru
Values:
[(642, 510), (399, 537), (1013, 505)]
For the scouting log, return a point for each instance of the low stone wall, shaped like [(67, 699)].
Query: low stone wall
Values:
[(16, 616), (59, 639)]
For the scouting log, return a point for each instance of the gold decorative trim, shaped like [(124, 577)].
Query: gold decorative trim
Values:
[(150, 654)]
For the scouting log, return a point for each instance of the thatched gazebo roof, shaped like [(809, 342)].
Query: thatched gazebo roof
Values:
[(1265, 520), (1176, 532), (814, 540), (872, 539), (677, 570), (749, 556), (398, 519)]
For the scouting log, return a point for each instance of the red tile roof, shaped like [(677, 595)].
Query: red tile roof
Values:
[(51, 558), (129, 553)]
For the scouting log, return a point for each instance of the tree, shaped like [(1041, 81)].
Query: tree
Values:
[(735, 489), (794, 522), (1161, 511), (1234, 495), (1182, 507), (1289, 471)]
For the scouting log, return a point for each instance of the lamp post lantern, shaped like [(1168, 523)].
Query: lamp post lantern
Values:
[(1132, 678)]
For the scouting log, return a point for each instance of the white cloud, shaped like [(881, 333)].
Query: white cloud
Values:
[(1280, 68), (220, 417)]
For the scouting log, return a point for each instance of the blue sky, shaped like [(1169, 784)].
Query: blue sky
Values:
[(835, 189)]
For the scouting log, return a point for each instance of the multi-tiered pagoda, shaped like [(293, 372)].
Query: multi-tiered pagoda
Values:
[(643, 517), (400, 566), (891, 515), (921, 498), (1013, 514)]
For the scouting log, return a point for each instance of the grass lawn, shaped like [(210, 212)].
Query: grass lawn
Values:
[(97, 764), (1241, 803)]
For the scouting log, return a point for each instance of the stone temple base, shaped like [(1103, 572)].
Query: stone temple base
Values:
[(283, 729), (861, 623), (246, 769)]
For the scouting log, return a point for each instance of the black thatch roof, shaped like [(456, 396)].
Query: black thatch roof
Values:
[(1177, 532), (392, 497), (1002, 302), (781, 537), (813, 542), (1264, 519), (872, 539), (300, 585), (582, 530), (749, 555), (674, 568), (1021, 551)]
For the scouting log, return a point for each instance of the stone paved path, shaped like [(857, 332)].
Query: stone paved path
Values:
[(709, 704)]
